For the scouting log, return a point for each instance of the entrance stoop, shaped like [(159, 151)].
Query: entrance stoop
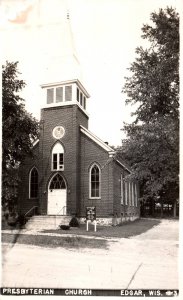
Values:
[(47, 222)]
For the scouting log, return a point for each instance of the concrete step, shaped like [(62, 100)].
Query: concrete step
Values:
[(47, 222)]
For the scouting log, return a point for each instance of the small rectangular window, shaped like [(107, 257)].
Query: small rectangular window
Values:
[(130, 199), (121, 189), (126, 193), (81, 99), (61, 159), (54, 161), (132, 193), (59, 94), (84, 102), (136, 197), (77, 94), (68, 93), (50, 96)]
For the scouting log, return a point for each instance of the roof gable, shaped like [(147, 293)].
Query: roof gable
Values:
[(98, 141), (123, 165)]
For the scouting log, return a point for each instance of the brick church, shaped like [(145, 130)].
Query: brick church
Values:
[(72, 168)]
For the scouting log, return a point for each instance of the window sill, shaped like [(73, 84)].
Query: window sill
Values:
[(57, 170), (94, 198)]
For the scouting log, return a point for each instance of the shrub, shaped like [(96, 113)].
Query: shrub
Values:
[(21, 220), (12, 218), (74, 222), (11, 221), (65, 227)]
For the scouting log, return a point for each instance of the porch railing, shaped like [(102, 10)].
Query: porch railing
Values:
[(33, 210), (62, 211)]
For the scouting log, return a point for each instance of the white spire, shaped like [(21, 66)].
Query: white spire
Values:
[(63, 63)]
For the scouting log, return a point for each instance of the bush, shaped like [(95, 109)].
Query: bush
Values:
[(65, 227), (12, 221), (6, 214), (12, 218), (21, 220), (74, 222)]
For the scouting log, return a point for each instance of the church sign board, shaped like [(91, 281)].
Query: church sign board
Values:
[(91, 216), (91, 213)]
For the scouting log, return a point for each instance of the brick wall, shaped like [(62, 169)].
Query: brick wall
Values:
[(80, 153), (70, 117), (123, 210), (90, 153), (24, 202)]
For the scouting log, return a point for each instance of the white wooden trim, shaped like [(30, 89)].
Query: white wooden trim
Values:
[(119, 162), (61, 83), (90, 197), (56, 150), (54, 176), (97, 140)]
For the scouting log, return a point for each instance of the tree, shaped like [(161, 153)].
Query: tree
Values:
[(19, 130), (152, 143)]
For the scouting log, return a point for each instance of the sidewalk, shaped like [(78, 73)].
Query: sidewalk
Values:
[(146, 261)]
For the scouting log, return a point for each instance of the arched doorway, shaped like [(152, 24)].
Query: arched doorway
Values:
[(57, 194)]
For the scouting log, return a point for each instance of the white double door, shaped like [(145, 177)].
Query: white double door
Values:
[(57, 202)]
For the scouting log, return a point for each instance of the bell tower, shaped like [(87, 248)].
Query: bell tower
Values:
[(65, 104), (65, 93), (64, 75)]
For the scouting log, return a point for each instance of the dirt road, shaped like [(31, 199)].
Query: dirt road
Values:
[(147, 261)]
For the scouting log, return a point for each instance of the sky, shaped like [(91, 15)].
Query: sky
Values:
[(105, 33)]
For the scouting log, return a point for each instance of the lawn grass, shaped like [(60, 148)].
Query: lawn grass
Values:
[(77, 241), (54, 241), (126, 230)]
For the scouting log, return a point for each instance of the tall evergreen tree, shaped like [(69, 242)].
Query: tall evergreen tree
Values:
[(152, 143)]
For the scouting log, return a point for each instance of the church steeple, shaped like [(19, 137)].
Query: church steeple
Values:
[(63, 72), (63, 63)]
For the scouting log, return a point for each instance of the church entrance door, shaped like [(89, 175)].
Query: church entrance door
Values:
[(57, 194)]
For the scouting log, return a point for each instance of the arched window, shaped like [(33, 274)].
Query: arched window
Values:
[(57, 157), (33, 183), (57, 183), (95, 181)]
